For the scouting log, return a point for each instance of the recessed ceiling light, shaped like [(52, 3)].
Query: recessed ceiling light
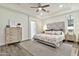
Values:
[(60, 6)]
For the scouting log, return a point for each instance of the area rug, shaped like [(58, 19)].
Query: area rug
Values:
[(38, 49)]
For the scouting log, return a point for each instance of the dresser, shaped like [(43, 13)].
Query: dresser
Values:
[(70, 37), (13, 35)]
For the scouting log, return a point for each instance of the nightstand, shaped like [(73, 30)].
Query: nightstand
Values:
[(70, 37)]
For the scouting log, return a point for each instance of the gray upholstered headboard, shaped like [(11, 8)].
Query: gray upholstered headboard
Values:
[(56, 26)]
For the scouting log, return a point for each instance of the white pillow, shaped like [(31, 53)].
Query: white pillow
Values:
[(57, 32), (48, 32), (54, 32)]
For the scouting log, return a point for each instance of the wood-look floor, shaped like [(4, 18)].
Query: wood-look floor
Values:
[(13, 50), (17, 50)]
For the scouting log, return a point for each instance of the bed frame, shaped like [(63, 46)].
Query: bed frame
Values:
[(48, 43)]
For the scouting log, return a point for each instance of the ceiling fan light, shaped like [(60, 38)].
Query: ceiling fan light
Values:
[(40, 8)]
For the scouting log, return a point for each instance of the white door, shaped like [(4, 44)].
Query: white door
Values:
[(33, 29)]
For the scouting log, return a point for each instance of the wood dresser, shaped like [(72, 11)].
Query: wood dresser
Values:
[(13, 35)]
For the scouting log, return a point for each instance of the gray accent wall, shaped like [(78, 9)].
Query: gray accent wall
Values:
[(56, 25)]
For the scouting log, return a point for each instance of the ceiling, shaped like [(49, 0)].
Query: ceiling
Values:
[(54, 8)]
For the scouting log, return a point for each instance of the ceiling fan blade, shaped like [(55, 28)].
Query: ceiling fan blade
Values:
[(37, 10), (34, 7), (44, 10), (45, 6)]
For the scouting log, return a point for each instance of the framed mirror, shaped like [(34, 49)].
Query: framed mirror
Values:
[(70, 20)]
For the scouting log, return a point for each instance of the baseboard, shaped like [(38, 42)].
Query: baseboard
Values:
[(25, 40)]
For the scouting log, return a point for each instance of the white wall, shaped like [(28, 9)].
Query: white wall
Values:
[(60, 18), (16, 17)]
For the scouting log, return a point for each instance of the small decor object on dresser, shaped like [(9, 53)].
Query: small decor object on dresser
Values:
[(18, 24), (8, 26)]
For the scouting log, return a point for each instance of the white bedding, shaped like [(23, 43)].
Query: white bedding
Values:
[(55, 39)]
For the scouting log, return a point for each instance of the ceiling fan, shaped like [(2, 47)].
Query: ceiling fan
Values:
[(40, 7)]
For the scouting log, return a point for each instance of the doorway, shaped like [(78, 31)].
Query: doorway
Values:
[(33, 29)]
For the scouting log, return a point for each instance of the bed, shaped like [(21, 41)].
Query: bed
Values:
[(53, 35), (53, 38)]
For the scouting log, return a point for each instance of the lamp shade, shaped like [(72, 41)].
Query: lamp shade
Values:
[(44, 27)]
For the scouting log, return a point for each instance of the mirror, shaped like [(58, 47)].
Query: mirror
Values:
[(70, 20)]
